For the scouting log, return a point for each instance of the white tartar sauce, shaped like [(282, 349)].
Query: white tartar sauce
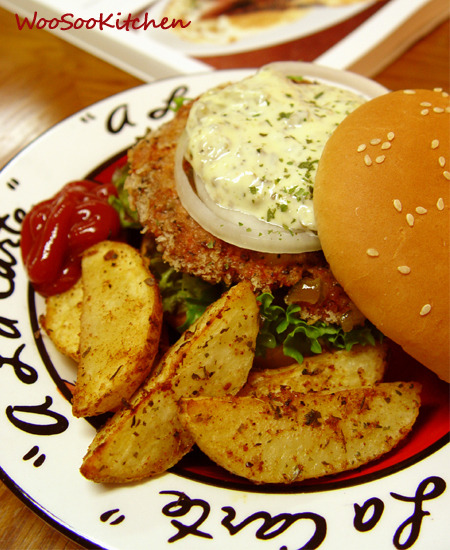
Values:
[(255, 144)]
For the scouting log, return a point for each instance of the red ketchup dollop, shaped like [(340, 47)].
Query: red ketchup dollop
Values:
[(56, 231)]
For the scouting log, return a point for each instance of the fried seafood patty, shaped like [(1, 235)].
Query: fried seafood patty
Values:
[(186, 246)]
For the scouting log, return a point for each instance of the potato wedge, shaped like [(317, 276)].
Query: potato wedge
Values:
[(213, 357), (121, 320), (61, 320), (362, 366), (289, 436)]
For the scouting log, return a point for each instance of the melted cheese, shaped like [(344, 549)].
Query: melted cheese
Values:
[(254, 145)]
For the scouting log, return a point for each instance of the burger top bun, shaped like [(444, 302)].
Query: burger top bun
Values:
[(381, 202)]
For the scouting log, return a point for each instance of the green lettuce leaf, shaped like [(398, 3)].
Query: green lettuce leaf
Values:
[(183, 293), (128, 217), (283, 326)]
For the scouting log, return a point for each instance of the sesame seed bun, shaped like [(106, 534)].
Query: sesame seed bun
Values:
[(381, 202)]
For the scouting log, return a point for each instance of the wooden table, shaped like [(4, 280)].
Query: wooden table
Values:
[(42, 81)]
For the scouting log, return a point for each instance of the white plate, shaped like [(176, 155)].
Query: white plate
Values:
[(195, 506), (315, 19)]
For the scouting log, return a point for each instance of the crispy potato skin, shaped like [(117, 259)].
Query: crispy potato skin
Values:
[(328, 371), (286, 436), (61, 320), (121, 319), (145, 437), (286, 424)]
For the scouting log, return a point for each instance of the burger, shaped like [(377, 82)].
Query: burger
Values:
[(384, 178), (224, 193)]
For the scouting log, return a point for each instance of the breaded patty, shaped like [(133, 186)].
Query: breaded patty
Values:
[(183, 242), (188, 247)]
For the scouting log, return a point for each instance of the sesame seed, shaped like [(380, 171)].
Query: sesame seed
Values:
[(409, 92), (425, 310), (391, 136), (404, 269), (375, 141), (421, 210), (444, 94), (437, 89), (386, 145), (438, 109), (424, 111), (372, 252), (410, 220), (367, 160), (435, 144), (425, 104), (447, 109), (441, 161), (397, 205), (447, 175), (362, 147), (380, 159), (440, 203)]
